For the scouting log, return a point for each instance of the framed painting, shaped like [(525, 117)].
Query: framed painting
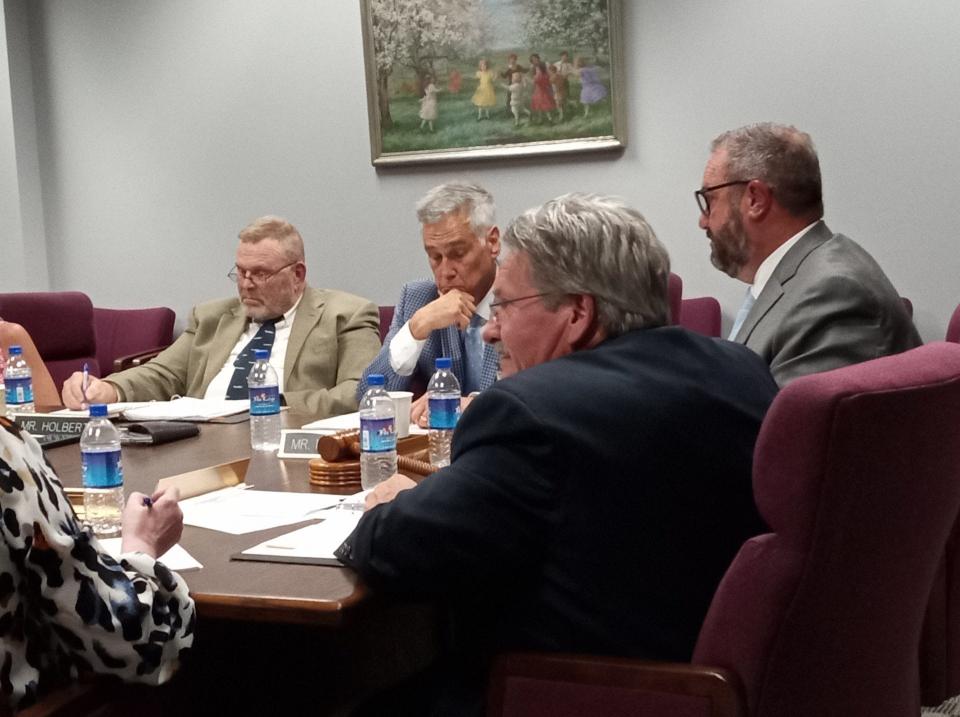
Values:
[(454, 80)]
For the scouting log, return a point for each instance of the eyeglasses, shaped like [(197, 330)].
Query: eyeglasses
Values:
[(257, 277), (703, 201), (497, 305)]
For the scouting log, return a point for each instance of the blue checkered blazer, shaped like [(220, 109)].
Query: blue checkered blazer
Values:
[(442, 342)]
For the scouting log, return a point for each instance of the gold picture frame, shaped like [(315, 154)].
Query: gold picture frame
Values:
[(440, 87)]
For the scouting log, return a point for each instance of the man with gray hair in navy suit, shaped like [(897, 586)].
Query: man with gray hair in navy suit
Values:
[(445, 317)]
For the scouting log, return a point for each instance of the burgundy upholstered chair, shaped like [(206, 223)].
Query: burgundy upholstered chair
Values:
[(953, 328), (675, 293), (701, 314), (61, 325), (125, 332), (857, 473), (386, 317)]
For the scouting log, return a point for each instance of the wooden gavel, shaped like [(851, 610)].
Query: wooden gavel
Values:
[(345, 446), (340, 446)]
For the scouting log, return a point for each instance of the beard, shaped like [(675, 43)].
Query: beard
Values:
[(729, 246)]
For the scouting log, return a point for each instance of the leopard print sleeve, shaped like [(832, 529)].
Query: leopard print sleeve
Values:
[(66, 606)]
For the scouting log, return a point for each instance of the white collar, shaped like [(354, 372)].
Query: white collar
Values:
[(768, 265)]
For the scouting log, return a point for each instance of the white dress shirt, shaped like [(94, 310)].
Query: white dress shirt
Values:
[(405, 349), (278, 353)]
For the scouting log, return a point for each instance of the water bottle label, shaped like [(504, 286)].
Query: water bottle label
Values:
[(377, 435), (102, 469), (264, 400), (19, 390), (444, 412)]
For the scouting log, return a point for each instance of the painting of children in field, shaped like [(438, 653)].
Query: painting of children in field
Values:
[(455, 84)]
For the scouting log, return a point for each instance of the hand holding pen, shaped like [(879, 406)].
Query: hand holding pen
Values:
[(82, 389)]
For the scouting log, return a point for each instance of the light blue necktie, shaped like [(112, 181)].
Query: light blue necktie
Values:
[(742, 314), (473, 353)]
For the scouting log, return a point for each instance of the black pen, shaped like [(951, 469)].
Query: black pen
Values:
[(147, 501)]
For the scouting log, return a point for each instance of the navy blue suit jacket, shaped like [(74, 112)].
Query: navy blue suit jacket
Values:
[(593, 504)]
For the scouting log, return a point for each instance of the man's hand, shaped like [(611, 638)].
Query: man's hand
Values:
[(388, 490), (152, 529), (420, 414), (97, 392), (454, 307)]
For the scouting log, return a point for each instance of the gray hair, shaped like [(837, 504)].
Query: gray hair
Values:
[(463, 197), (278, 228), (780, 155), (587, 244)]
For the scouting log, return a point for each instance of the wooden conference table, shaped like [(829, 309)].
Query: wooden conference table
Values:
[(271, 637)]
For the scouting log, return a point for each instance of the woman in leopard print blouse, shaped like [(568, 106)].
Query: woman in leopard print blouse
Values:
[(66, 606)]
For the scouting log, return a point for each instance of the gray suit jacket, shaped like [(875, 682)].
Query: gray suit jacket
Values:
[(333, 337), (828, 304)]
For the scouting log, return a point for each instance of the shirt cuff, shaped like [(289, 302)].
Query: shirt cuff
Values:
[(405, 350)]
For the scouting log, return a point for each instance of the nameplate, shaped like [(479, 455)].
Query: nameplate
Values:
[(300, 443), (40, 424)]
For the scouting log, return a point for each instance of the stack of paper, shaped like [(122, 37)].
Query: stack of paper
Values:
[(237, 510)]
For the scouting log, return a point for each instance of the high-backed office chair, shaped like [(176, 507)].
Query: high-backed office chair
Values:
[(125, 332), (61, 324), (675, 294), (940, 643), (386, 317), (908, 305), (953, 328), (857, 473), (701, 314)]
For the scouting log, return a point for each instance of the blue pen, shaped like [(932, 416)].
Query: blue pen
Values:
[(85, 382), (147, 502)]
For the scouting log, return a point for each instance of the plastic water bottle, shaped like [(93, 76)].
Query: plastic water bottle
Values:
[(18, 383), (102, 473), (378, 434), (264, 403), (443, 401)]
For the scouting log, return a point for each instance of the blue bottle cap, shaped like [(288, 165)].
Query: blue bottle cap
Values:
[(443, 362), (98, 410), (261, 354), (14, 350), (375, 379)]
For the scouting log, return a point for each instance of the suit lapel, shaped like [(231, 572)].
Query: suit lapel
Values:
[(308, 315), (229, 328), (785, 271)]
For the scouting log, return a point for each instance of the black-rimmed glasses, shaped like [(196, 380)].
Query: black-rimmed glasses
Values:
[(497, 305), (703, 201), (257, 277)]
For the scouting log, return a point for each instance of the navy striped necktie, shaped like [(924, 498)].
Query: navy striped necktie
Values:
[(262, 340)]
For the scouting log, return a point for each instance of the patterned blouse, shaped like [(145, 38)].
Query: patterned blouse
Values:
[(66, 606)]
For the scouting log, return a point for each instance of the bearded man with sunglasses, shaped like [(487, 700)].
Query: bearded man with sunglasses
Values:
[(320, 340), (816, 300)]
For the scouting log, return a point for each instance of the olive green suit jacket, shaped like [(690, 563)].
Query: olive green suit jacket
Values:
[(333, 338)]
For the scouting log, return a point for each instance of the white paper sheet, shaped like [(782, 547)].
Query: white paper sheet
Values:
[(236, 510), (349, 421), (186, 409), (176, 558), (113, 409), (317, 541)]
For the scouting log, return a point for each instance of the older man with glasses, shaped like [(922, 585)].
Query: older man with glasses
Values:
[(320, 340), (816, 300), (599, 490)]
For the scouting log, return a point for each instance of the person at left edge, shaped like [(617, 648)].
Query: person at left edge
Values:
[(322, 339)]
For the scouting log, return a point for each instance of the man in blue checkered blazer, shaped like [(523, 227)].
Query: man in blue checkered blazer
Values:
[(445, 317)]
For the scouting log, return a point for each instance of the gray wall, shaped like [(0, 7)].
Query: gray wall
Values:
[(163, 126)]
